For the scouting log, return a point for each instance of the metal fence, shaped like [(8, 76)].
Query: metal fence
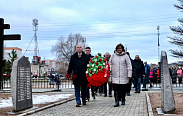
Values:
[(41, 83), (44, 83)]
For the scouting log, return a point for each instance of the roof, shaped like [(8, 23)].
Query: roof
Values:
[(11, 48)]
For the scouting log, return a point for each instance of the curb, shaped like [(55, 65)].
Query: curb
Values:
[(149, 107), (46, 107)]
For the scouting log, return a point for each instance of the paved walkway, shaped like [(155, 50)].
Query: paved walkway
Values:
[(102, 106)]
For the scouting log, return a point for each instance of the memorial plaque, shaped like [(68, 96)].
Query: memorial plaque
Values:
[(167, 98), (21, 84)]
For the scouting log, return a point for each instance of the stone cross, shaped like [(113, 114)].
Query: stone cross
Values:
[(2, 38), (167, 98)]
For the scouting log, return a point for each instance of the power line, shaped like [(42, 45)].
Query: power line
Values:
[(124, 19), (28, 45)]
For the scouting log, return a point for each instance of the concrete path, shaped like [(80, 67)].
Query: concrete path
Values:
[(136, 105)]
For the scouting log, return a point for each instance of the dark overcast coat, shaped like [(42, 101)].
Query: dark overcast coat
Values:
[(78, 66)]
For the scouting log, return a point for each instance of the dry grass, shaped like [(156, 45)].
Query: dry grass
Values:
[(155, 99)]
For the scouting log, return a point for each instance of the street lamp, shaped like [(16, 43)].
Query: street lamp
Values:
[(126, 46), (158, 27)]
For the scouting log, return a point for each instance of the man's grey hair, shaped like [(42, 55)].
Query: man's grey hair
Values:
[(107, 53)]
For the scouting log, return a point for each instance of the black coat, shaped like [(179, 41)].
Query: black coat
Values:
[(78, 66), (138, 69)]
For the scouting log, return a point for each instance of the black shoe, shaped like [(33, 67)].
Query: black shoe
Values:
[(128, 94), (116, 104), (78, 105), (110, 95), (84, 103), (123, 102), (137, 92), (105, 95), (150, 86)]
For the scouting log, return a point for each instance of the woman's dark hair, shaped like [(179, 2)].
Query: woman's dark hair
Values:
[(120, 45)]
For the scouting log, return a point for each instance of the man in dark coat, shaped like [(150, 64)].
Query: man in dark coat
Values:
[(139, 71), (129, 85), (88, 52), (78, 66)]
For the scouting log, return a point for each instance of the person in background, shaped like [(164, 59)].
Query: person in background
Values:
[(174, 74), (51, 76), (78, 66), (158, 75), (88, 52), (179, 74), (147, 71), (139, 71), (154, 75), (35, 75), (129, 85), (121, 72), (99, 89), (107, 57), (151, 75)]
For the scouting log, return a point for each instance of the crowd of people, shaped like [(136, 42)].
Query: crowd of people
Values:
[(176, 74), (124, 71)]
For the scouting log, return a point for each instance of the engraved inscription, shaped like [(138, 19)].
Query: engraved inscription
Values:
[(24, 92)]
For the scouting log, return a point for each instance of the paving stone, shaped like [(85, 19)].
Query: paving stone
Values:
[(101, 106)]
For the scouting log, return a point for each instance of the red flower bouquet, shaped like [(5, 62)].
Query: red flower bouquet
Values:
[(72, 77), (98, 71)]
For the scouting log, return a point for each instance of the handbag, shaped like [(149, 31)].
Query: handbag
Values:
[(110, 79)]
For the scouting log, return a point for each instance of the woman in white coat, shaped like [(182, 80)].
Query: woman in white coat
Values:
[(121, 72)]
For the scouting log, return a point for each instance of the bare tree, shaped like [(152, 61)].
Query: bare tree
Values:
[(177, 40), (66, 47)]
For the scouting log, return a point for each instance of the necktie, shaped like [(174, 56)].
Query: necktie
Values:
[(79, 55)]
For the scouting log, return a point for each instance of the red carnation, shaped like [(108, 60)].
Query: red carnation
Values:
[(88, 66), (90, 71), (96, 63), (100, 60), (92, 62), (68, 76), (74, 77), (96, 56), (99, 67), (104, 60)]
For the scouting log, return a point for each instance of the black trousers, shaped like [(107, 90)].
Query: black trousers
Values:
[(120, 91), (93, 90), (105, 88), (129, 86)]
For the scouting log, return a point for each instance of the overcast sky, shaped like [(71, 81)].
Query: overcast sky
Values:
[(104, 23)]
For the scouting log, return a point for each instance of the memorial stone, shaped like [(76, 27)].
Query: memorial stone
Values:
[(21, 84), (167, 98)]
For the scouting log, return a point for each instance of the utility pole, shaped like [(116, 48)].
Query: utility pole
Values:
[(158, 27), (126, 47), (35, 28)]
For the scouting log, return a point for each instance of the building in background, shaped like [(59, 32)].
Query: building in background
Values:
[(9, 50), (59, 66), (51, 64)]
